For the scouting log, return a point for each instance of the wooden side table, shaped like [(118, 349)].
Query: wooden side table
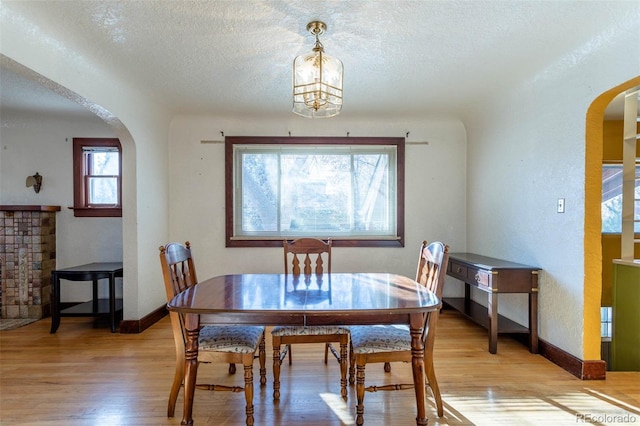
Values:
[(494, 276), (94, 308)]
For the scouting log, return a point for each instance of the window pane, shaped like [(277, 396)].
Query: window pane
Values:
[(104, 163), (103, 190), (259, 193), (340, 191), (316, 193), (612, 198), (371, 173)]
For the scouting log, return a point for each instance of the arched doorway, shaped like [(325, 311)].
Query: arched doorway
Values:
[(42, 126), (593, 221)]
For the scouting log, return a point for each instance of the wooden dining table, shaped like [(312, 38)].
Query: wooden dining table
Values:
[(305, 300)]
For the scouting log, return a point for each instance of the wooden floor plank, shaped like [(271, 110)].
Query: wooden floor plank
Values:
[(86, 376)]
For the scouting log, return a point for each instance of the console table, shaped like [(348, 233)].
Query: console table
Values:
[(494, 276), (94, 308)]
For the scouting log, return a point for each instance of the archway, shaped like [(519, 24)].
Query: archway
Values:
[(41, 85), (593, 220)]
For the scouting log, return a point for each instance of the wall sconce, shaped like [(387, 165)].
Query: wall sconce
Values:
[(35, 181)]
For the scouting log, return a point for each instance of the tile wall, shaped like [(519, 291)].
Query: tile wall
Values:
[(27, 257)]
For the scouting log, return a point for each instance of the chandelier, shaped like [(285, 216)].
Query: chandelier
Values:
[(317, 80)]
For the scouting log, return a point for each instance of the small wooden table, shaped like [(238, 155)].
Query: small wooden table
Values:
[(94, 308), (271, 299), (494, 276)]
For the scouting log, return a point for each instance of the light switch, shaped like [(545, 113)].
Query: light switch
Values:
[(560, 205)]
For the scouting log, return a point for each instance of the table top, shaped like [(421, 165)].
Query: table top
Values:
[(378, 295), (485, 262), (93, 267)]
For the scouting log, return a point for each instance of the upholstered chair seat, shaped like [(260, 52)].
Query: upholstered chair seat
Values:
[(233, 338)]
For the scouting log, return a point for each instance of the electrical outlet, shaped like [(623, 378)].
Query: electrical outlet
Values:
[(560, 205)]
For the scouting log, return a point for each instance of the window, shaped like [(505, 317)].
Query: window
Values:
[(97, 166), (348, 189), (606, 322), (612, 198)]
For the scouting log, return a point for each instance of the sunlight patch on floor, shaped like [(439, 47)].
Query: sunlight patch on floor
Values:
[(561, 409), (339, 406)]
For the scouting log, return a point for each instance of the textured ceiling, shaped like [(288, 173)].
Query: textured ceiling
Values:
[(401, 58)]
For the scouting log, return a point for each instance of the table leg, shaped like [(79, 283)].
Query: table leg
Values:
[(55, 302), (533, 321), (417, 365), (95, 296), (192, 325), (467, 298), (493, 322), (112, 302)]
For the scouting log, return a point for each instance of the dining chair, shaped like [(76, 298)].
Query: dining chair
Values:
[(303, 257), (217, 343), (392, 343)]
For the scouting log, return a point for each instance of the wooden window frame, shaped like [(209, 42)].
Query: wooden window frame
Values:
[(81, 206), (230, 141)]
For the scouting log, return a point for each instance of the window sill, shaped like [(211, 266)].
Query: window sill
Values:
[(96, 212), (336, 242)]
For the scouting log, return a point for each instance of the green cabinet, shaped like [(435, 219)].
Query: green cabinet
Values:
[(625, 339)]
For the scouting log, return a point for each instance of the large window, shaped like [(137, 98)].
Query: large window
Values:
[(97, 165), (347, 189), (612, 198)]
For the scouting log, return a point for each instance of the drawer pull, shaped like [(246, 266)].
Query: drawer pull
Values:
[(477, 277), (459, 270)]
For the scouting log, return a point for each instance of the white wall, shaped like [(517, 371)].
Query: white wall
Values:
[(526, 150), (434, 191), (44, 144)]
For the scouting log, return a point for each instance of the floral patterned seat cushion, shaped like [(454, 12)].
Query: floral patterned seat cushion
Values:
[(232, 338), (368, 339), (285, 330)]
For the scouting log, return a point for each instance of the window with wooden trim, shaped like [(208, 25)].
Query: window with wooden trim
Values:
[(348, 189), (97, 177)]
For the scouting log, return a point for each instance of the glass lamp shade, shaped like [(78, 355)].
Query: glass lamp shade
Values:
[(317, 85)]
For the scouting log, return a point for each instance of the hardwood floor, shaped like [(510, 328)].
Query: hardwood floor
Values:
[(86, 376)]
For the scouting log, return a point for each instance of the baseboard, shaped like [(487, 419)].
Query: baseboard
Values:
[(582, 369), (138, 326)]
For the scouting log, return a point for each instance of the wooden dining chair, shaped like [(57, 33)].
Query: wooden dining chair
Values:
[(392, 343), (304, 256), (217, 343)]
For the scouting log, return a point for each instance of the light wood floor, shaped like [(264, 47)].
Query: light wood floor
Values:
[(86, 376)]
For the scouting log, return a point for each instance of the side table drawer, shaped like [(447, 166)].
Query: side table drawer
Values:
[(480, 277), (458, 270)]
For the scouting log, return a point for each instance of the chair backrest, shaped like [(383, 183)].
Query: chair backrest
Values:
[(178, 268), (179, 273), (432, 269), (432, 266), (307, 256)]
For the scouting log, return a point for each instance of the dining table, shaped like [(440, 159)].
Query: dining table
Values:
[(305, 300)]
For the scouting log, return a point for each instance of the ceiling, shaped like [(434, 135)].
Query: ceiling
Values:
[(401, 58)]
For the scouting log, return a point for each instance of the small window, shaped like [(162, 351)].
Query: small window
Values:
[(346, 189), (606, 322), (97, 165), (612, 198)]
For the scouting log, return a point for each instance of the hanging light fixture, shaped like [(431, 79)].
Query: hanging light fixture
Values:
[(317, 80)]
